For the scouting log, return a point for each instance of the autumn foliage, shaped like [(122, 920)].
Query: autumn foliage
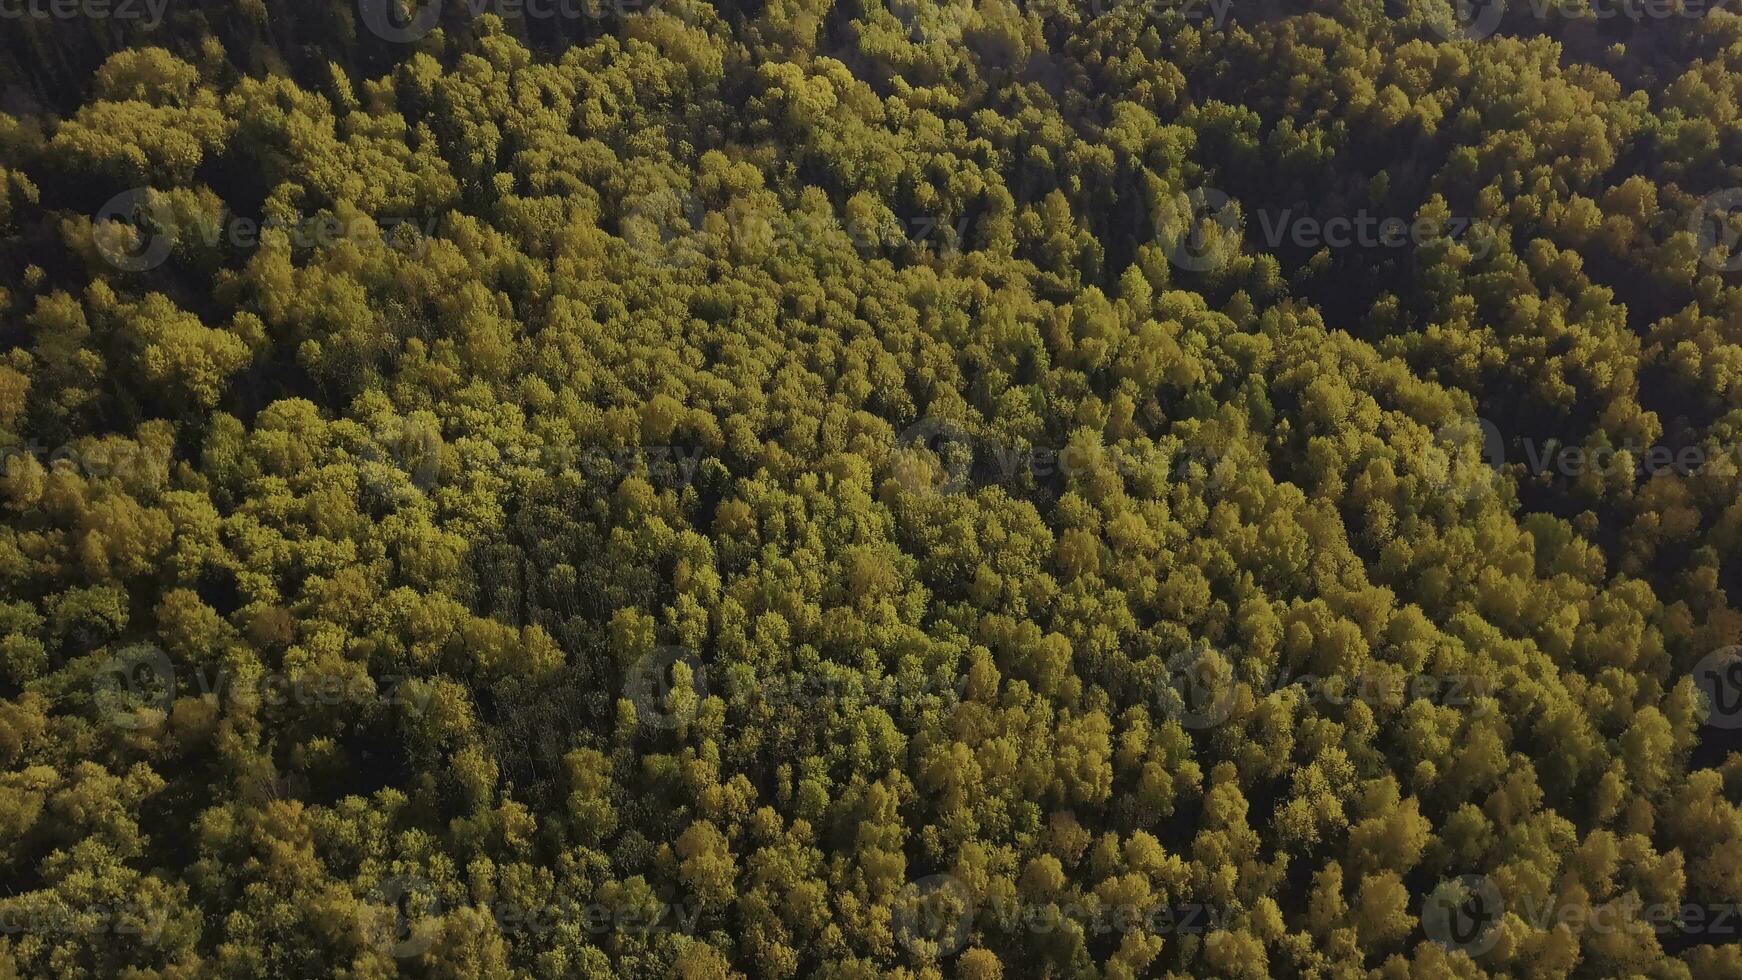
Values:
[(843, 491)]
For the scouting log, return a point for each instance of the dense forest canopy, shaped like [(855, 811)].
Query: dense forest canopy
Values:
[(925, 488)]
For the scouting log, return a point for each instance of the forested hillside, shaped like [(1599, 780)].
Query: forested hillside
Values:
[(1065, 489)]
